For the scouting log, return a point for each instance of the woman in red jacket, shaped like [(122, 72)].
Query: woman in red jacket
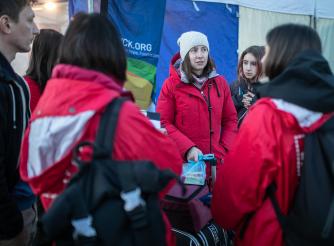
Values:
[(195, 102), (90, 74), (43, 57), (270, 144)]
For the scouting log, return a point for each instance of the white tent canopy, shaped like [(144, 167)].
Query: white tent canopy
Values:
[(257, 17), (317, 8)]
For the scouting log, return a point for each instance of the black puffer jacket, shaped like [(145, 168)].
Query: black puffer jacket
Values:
[(14, 114), (238, 89)]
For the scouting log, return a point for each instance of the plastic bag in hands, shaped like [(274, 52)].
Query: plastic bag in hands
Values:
[(195, 172)]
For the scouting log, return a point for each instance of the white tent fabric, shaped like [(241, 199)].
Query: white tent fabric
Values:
[(325, 9), (254, 25), (318, 8), (325, 28), (305, 7)]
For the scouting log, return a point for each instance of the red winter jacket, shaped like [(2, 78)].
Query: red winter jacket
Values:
[(35, 92), (269, 148), (184, 113), (69, 112)]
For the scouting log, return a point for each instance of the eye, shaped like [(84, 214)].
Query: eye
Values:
[(245, 62), (194, 49), (253, 63), (204, 49)]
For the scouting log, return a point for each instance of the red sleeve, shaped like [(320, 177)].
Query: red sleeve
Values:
[(166, 107), (146, 143), (229, 119), (248, 169), (35, 93)]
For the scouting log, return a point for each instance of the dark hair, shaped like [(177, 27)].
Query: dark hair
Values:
[(187, 68), (285, 42), (12, 8), (43, 56), (93, 42), (258, 53)]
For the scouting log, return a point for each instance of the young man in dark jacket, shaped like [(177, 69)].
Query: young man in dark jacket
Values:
[(17, 216)]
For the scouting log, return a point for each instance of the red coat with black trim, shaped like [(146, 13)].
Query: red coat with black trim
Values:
[(268, 149), (185, 115), (69, 112)]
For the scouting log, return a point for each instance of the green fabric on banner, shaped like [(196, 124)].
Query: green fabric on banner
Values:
[(142, 69)]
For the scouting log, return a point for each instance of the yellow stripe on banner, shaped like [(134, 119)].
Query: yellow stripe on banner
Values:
[(140, 88)]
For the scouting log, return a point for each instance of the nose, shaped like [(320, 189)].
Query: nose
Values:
[(199, 53), (35, 29)]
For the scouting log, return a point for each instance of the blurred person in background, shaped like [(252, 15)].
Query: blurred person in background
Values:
[(43, 58), (17, 210)]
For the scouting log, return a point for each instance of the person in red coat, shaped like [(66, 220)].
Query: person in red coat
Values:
[(90, 74), (270, 144), (195, 102), (43, 57)]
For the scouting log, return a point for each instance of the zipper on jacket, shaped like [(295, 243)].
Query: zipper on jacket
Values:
[(14, 106), (24, 116), (208, 102), (24, 108)]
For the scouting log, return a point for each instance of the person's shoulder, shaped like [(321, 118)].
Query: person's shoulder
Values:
[(264, 104), (135, 129), (131, 118)]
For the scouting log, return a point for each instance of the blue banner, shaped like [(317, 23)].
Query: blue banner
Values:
[(76, 6), (218, 21), (140, 24)]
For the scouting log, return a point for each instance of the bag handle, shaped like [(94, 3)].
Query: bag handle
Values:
[(104, 142)]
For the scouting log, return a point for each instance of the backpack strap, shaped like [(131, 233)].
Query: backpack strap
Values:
[(134, 205), (271, 190), (106, 132)]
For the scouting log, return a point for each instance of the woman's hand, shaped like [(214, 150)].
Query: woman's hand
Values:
[(247, 99), (193, 153)]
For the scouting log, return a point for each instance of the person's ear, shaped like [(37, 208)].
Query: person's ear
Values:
[(5, 24)]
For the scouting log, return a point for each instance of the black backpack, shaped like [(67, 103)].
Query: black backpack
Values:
[(310, 221), (92, 211)]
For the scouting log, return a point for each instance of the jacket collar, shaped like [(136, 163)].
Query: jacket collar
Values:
[(82, 74)]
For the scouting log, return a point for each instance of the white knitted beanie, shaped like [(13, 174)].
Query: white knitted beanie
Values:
[(187, 40)]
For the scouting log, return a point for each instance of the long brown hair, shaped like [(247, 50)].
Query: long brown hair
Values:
[(285, 43), (43, 56), (258, 53), (187, 68)]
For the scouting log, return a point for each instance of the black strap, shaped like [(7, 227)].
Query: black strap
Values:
[(271, 190), (103, 149), (106, 132)]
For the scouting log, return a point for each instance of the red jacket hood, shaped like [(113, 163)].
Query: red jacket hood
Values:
[(77, 73), (72, 97), (172, 70)]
